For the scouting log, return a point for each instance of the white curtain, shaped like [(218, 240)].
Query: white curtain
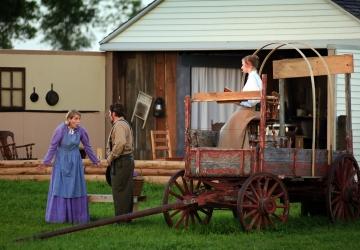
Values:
[(212, 80)]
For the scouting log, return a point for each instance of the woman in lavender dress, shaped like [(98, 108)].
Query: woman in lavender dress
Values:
[(67, 198)]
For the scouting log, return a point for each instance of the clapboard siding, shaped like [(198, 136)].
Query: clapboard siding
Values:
[(175, 21), (355, 98)]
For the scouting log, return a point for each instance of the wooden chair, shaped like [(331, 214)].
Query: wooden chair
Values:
[(160, 144), (9, 149)]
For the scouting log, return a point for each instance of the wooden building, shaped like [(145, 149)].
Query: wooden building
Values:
[(175, 47)]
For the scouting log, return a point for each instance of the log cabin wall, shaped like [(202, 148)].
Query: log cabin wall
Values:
[(155, 74)]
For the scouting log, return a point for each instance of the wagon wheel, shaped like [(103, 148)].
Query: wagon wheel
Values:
[(262, 202), (178, 188), (343, 189)]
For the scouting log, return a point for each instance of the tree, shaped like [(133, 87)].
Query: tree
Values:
[(118, 11), (69, 24), (16, 18), (66, 24), (113, 13)]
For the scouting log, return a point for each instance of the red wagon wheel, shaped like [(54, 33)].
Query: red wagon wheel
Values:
[(343, 189), (262, 202), (178, 188)]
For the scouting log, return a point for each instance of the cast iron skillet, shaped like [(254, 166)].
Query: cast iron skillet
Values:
[(34, 97), (52, 97)]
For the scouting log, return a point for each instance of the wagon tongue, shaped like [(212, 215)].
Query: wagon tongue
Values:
[(119, 218)]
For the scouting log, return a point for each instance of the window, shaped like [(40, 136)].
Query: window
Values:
[(12, 89), (204, 79)]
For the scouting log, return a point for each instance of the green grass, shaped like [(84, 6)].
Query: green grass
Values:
[(22, 208)]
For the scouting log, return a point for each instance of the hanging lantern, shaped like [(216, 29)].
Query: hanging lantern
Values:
[(159, 107)]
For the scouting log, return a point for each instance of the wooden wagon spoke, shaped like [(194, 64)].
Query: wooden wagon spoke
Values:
[(208, 213), (270, 220), (351, 176), (258, 224), (265, 221), (254, 219), (277, 195), (175, 213), (192, 186), (338, 175), (250, 205), (251, 198), (180, 220), (272, 189), (254, 191), (247, 215), (179, 187), (345, 172), (341, 210), (266, 185), (197, 216), (336, 208), (335, 192), (259, 189), (198, 185), (185, 185), (176, 195), (336, 199)]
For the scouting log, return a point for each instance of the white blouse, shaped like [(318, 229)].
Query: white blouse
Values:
[(253, 83)]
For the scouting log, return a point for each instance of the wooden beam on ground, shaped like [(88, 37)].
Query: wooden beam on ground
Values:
[(226, 96), (109, 198), (157, 179), (291, 68)]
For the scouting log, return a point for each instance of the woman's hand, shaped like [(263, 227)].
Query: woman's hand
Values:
[(42, 167)]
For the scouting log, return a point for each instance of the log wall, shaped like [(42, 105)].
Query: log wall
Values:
[(152, 171)]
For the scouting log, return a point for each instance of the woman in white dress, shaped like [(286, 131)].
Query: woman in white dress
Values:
[(234, 134)]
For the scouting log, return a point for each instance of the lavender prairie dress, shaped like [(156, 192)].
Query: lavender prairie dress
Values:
[(67, 197)]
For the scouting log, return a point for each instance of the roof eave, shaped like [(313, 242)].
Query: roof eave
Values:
[(345, 11), (131, 21), (240, 45)]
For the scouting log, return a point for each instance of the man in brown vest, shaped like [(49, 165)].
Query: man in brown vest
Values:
[(120, 158)]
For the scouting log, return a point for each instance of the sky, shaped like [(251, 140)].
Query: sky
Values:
[(35, 43)]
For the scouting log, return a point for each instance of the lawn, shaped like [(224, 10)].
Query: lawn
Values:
[(22, 206)]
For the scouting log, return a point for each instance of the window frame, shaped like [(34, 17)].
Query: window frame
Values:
[(11, 89)]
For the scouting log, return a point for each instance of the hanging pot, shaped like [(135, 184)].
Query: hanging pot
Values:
[(52, 97), (34, 97)]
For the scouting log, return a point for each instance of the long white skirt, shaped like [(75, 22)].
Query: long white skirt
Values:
[(234, 132)]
